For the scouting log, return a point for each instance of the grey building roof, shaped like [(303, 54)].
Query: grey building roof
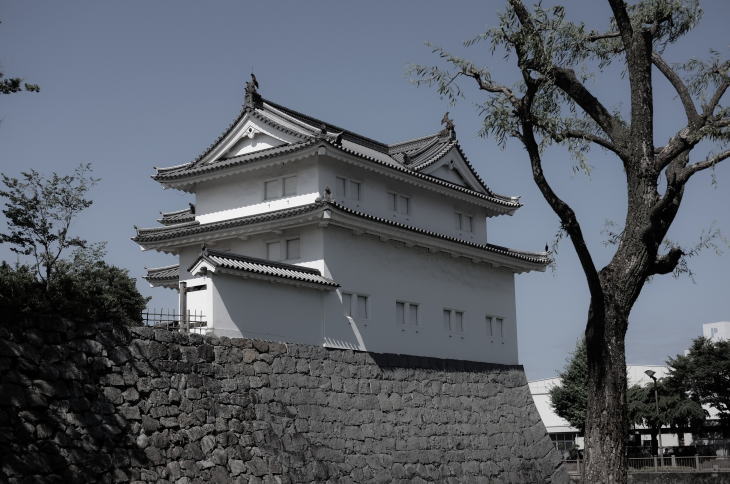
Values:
[(173, 232), (262, 267), (163, 276), (410, 156), (179, 216)]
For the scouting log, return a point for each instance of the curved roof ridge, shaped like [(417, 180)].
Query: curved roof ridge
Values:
[(315, 122), (402, 145)]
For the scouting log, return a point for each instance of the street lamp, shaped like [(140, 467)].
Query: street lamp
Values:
[(650, 374)]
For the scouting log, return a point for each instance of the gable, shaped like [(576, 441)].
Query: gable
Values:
[(248, 135), (452, 167)]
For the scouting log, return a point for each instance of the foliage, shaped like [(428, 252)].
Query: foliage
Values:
[(569, 399), (84, 288), (15, 84), (39, 214), (676, 409), (704, 373)]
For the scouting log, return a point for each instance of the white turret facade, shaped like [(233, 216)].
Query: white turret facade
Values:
[(305, 232)]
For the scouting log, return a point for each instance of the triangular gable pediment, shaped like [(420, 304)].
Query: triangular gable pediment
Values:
[(453, 168), (251, 133)]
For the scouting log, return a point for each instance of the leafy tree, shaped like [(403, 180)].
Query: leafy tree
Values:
[(569, 399), (84, 288), (39, 214), (676, 409), (80, 285), (554, 102), (704, 373), (15, 84)]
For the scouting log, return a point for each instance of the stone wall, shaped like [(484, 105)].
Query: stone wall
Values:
[(105, 404)]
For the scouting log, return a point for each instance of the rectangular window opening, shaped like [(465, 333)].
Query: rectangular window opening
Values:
[(292, 249), (400, 313), (273, 250)]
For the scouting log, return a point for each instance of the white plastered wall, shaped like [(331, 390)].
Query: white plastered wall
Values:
[(259, 309), (386, 273), (428, 209), (243, 194)]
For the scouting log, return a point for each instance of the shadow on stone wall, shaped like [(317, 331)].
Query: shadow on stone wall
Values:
[(103, 404), (57, 422)]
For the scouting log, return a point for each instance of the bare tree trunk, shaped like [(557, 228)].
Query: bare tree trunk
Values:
[(606, 412)]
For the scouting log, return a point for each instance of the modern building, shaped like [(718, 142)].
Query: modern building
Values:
[(567, 437), (305, 232), (716, 331)]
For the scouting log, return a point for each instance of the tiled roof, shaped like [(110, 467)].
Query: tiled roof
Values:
[(190, 170), (420, 153), (180, 216), (237, 262), (170, 233), (497, 199), (163, 275), (154, 234), (534, 257)]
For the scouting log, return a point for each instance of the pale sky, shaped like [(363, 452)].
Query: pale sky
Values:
[(136, 84)]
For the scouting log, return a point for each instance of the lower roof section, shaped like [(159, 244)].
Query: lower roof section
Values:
[(167, 276), (324, 212), (244, 266)]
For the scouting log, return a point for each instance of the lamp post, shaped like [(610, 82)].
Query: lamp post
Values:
[(650, 374)]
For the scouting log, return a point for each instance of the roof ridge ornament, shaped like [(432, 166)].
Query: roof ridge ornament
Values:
[(252, 98), (448, 124)]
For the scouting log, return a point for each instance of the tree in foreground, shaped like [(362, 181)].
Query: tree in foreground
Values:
[(554, 102), (677, 410), (704, 373), (78, 285)]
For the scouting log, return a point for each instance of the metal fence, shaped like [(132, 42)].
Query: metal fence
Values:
[(171, 319), (695, 463)]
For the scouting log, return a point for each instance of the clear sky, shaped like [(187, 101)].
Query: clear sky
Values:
[(136, 84)]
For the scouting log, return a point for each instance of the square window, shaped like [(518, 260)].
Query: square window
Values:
[(290, 186), (273, 251), (362, 307), (272, 189), (292, 249)]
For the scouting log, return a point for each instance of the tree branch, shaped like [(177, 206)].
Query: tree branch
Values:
[(566, 80), (592, 37), (679, 86), (623, 21), (715, 100), (666, 263), (491, 87), (567, 216), (576, 134), (703, 165)]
